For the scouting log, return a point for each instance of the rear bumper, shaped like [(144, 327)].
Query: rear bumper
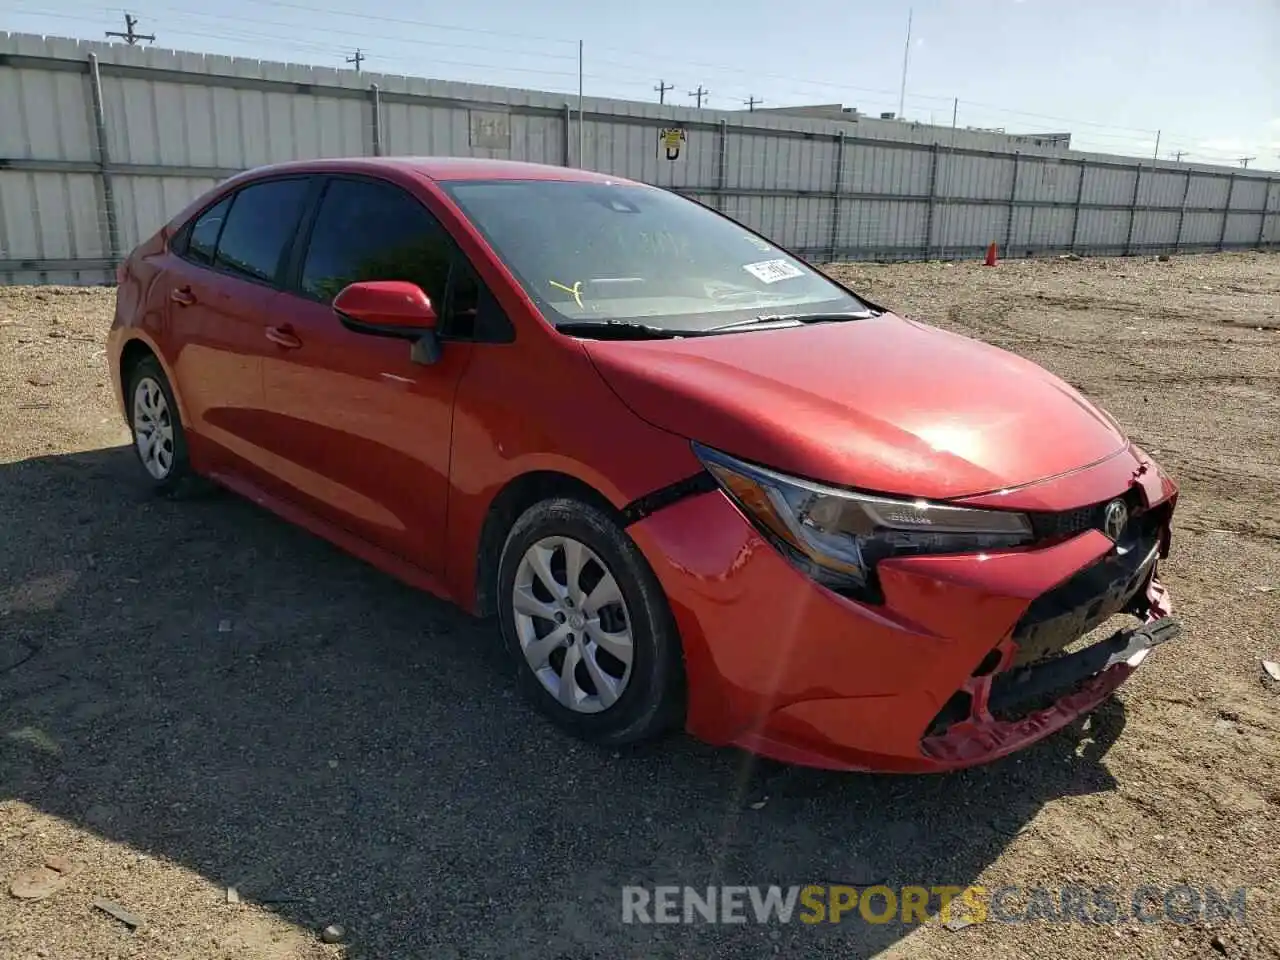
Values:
[(934, 679)]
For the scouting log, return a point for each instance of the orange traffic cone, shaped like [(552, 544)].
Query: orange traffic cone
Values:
[(991, 255)]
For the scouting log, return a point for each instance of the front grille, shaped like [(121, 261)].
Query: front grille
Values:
[(1070, 523), (1059, 617)]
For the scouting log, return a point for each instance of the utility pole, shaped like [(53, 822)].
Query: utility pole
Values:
[(1155, 154), (581, 129), (906, 58), (751, 103), (1244, 161), (700, 94), (1178, 155), (130, 36), (357, 58), (661, 90)]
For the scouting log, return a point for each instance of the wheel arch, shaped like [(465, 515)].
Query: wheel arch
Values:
[(515, 497), (133, 350)]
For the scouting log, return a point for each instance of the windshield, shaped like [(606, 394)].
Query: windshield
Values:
[(623, 252)]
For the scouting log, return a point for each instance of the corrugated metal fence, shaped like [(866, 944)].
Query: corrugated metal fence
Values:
[(100, 144)]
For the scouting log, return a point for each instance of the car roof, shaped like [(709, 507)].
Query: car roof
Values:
[(441, 169)]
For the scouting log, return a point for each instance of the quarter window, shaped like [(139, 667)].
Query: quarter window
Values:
[(262, 221), (203, 239), (374, 231)]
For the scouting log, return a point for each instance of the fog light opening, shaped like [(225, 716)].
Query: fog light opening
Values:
[(958, 708), (988, 664)]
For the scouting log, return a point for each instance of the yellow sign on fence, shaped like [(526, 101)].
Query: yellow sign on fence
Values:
[(670, 140)]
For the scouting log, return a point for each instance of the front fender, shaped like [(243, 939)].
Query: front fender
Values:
[(545, 408)]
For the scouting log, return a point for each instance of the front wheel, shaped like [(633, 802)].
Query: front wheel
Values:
[(588, 625)]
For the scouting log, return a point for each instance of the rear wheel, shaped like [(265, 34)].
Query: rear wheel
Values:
[(158, 438), (588, 625)]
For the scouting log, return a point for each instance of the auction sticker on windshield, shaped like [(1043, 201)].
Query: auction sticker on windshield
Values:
[(771, 271)]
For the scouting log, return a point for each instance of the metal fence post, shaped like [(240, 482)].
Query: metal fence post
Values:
[(722, 163), (1013, 195), (1075, 217), (375, 97), (1133, 210), (104, 161), (1182, 213), (1226, 212), (1266, 203), (568, 124), (933, 200), (833, 244)]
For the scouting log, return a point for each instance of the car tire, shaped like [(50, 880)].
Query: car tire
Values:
[(620, 691), (156, 426)]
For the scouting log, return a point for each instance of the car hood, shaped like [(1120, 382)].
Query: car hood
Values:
[(884, 404)]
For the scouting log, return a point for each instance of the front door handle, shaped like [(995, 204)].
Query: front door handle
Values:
[(284, 337), (182, 296)]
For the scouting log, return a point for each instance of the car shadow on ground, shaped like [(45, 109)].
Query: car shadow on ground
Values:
[(216, 687)]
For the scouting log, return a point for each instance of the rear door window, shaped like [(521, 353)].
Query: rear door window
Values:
[(262, 222)]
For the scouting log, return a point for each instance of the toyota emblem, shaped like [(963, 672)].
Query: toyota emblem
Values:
[(1114, 519)]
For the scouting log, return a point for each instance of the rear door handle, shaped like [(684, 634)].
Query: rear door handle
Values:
[(284, 337), (182, 296)]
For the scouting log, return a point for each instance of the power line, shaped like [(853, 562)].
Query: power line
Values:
[(661, 90), (700, 94), (331, 50), (308, 8), (357, 58), (278, 39), (313, 11), (1244, 161), (718, 66), (130, 36), (451, 44), (1178, 155)]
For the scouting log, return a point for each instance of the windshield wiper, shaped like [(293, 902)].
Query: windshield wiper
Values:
[(796, 319), (622, 330)]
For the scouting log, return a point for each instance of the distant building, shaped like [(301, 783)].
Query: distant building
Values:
[(887, 125)]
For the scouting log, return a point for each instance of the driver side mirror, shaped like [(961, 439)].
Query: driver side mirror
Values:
[(391, 308)]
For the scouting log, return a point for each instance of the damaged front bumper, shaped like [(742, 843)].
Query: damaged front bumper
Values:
[(1011, 708), (970, 657), (1036, 680)]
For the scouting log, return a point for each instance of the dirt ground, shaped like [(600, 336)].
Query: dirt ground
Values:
[(196, 696)]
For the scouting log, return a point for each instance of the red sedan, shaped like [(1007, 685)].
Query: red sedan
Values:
[(697, 481)]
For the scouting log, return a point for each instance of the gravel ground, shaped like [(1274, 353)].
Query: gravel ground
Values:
[(195, 695)]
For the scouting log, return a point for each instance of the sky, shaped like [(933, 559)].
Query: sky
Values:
[(1203, 75)]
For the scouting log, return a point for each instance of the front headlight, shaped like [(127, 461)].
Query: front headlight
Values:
[(838, 536)]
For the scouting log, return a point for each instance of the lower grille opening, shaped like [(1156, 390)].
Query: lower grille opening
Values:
[(1041, 701), (1103, 631)]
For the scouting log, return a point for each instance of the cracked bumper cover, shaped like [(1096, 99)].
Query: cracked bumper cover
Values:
[(787, 669)]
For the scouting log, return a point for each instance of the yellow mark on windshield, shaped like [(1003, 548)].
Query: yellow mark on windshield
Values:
[(575, 291)]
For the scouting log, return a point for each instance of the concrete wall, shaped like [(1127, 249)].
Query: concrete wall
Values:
[(100, 144)]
